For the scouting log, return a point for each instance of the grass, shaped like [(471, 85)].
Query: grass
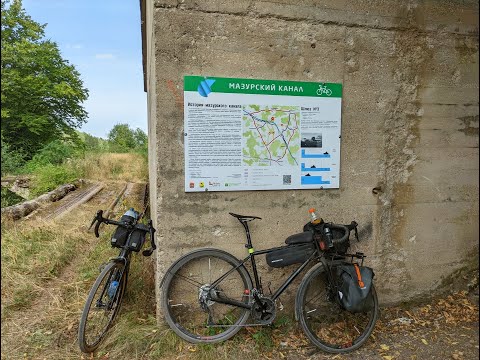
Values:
[(30, 257), (34, 256), (47, 272), (114, 166), (48, 177), (94, 166)]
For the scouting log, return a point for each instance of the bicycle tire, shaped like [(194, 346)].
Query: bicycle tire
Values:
[(109, 272), (326, 324), (183, 311)]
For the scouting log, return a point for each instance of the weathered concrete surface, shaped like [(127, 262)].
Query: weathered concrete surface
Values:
[(409, 126)]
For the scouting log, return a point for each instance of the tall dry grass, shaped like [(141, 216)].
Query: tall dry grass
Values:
[(113, 166), (31, 256)]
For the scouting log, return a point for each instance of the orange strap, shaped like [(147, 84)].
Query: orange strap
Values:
[(359, 276)]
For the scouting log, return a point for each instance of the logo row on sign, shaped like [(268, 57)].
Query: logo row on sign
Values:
[(202, 184)]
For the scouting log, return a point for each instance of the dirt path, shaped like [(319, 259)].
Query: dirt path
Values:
[(72, 213)]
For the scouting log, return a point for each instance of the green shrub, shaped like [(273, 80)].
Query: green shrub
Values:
[(49, 177), (10, 198), (12, 161), (55, 153)]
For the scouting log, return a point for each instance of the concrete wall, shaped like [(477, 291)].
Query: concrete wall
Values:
[(409, 71)]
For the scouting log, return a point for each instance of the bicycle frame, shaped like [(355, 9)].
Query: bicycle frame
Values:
[(258, 284)]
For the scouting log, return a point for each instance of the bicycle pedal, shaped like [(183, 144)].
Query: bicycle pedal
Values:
[(280, 306)]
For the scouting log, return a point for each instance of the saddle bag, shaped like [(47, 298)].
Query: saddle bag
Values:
[(354, 284), (291, 254)]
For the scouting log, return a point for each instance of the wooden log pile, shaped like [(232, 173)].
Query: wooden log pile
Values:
[(18, 211)]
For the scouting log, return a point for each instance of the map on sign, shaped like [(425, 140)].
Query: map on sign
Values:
[(271, 135)]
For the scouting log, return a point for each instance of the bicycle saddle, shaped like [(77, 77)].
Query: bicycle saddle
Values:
[(245, 217)]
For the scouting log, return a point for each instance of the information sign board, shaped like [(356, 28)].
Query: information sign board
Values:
[(250, 134)]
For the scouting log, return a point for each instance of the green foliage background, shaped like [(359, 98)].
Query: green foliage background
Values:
[(42, 94), (42, 98)]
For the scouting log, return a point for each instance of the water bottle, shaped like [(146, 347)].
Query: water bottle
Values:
[(328, 236), (130, 216), (112, 289), (314, 219)]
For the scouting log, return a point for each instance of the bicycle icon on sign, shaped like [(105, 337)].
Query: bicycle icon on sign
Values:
[(323, 90)]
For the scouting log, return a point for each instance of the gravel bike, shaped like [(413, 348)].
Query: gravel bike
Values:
[(208, 294), (105, 297)]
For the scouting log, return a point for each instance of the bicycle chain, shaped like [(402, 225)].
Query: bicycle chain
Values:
[(244, 325)]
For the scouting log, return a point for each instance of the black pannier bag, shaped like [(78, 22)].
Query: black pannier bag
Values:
[(288, 255), (136, 239), (354, 284), (119, 237)]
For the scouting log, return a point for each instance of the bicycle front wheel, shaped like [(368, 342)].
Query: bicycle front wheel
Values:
[(187, 296), (327, 325), (103, 304)]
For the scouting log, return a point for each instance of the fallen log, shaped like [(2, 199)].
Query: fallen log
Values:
[(68, 207), (23, 209)]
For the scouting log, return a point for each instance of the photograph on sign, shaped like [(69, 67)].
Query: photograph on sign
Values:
[(250, 134)]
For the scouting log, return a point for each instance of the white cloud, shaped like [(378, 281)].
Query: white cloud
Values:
[(74, 46), (104, 56)]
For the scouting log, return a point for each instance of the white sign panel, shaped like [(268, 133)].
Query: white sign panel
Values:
[(248, 134)]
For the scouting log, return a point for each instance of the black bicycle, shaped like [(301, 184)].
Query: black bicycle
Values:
[(208, 294), (105, 297)]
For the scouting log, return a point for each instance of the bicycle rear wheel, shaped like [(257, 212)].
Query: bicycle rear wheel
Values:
[(327, 325), (103, 304), (186, 302)]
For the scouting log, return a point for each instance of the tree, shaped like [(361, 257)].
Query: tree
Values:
[(42, 94), (141, 139), (11, 160), (122, 138)]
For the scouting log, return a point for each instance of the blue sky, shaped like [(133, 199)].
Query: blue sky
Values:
[(102, 39)]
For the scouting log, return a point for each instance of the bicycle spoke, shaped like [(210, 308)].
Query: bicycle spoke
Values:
[(190, 281), (190, 310), (101, 307), (209, 271), (328, 325)]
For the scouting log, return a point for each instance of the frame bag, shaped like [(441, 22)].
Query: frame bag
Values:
[(289, 255), (354, 284)]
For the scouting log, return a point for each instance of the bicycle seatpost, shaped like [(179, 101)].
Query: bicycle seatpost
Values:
[(247, 232)]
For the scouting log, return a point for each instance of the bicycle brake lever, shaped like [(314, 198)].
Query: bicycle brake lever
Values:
[(96, 229), (93, 222), (98, 218)]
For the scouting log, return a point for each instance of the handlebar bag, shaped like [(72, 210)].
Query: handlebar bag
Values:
[(119, 237), (136, 239), (338, 232), (288, 255), (354, 285)]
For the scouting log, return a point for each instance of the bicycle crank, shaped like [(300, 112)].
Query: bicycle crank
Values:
[(264, 311)]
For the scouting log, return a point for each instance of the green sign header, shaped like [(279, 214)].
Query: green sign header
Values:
[(206, 85)]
